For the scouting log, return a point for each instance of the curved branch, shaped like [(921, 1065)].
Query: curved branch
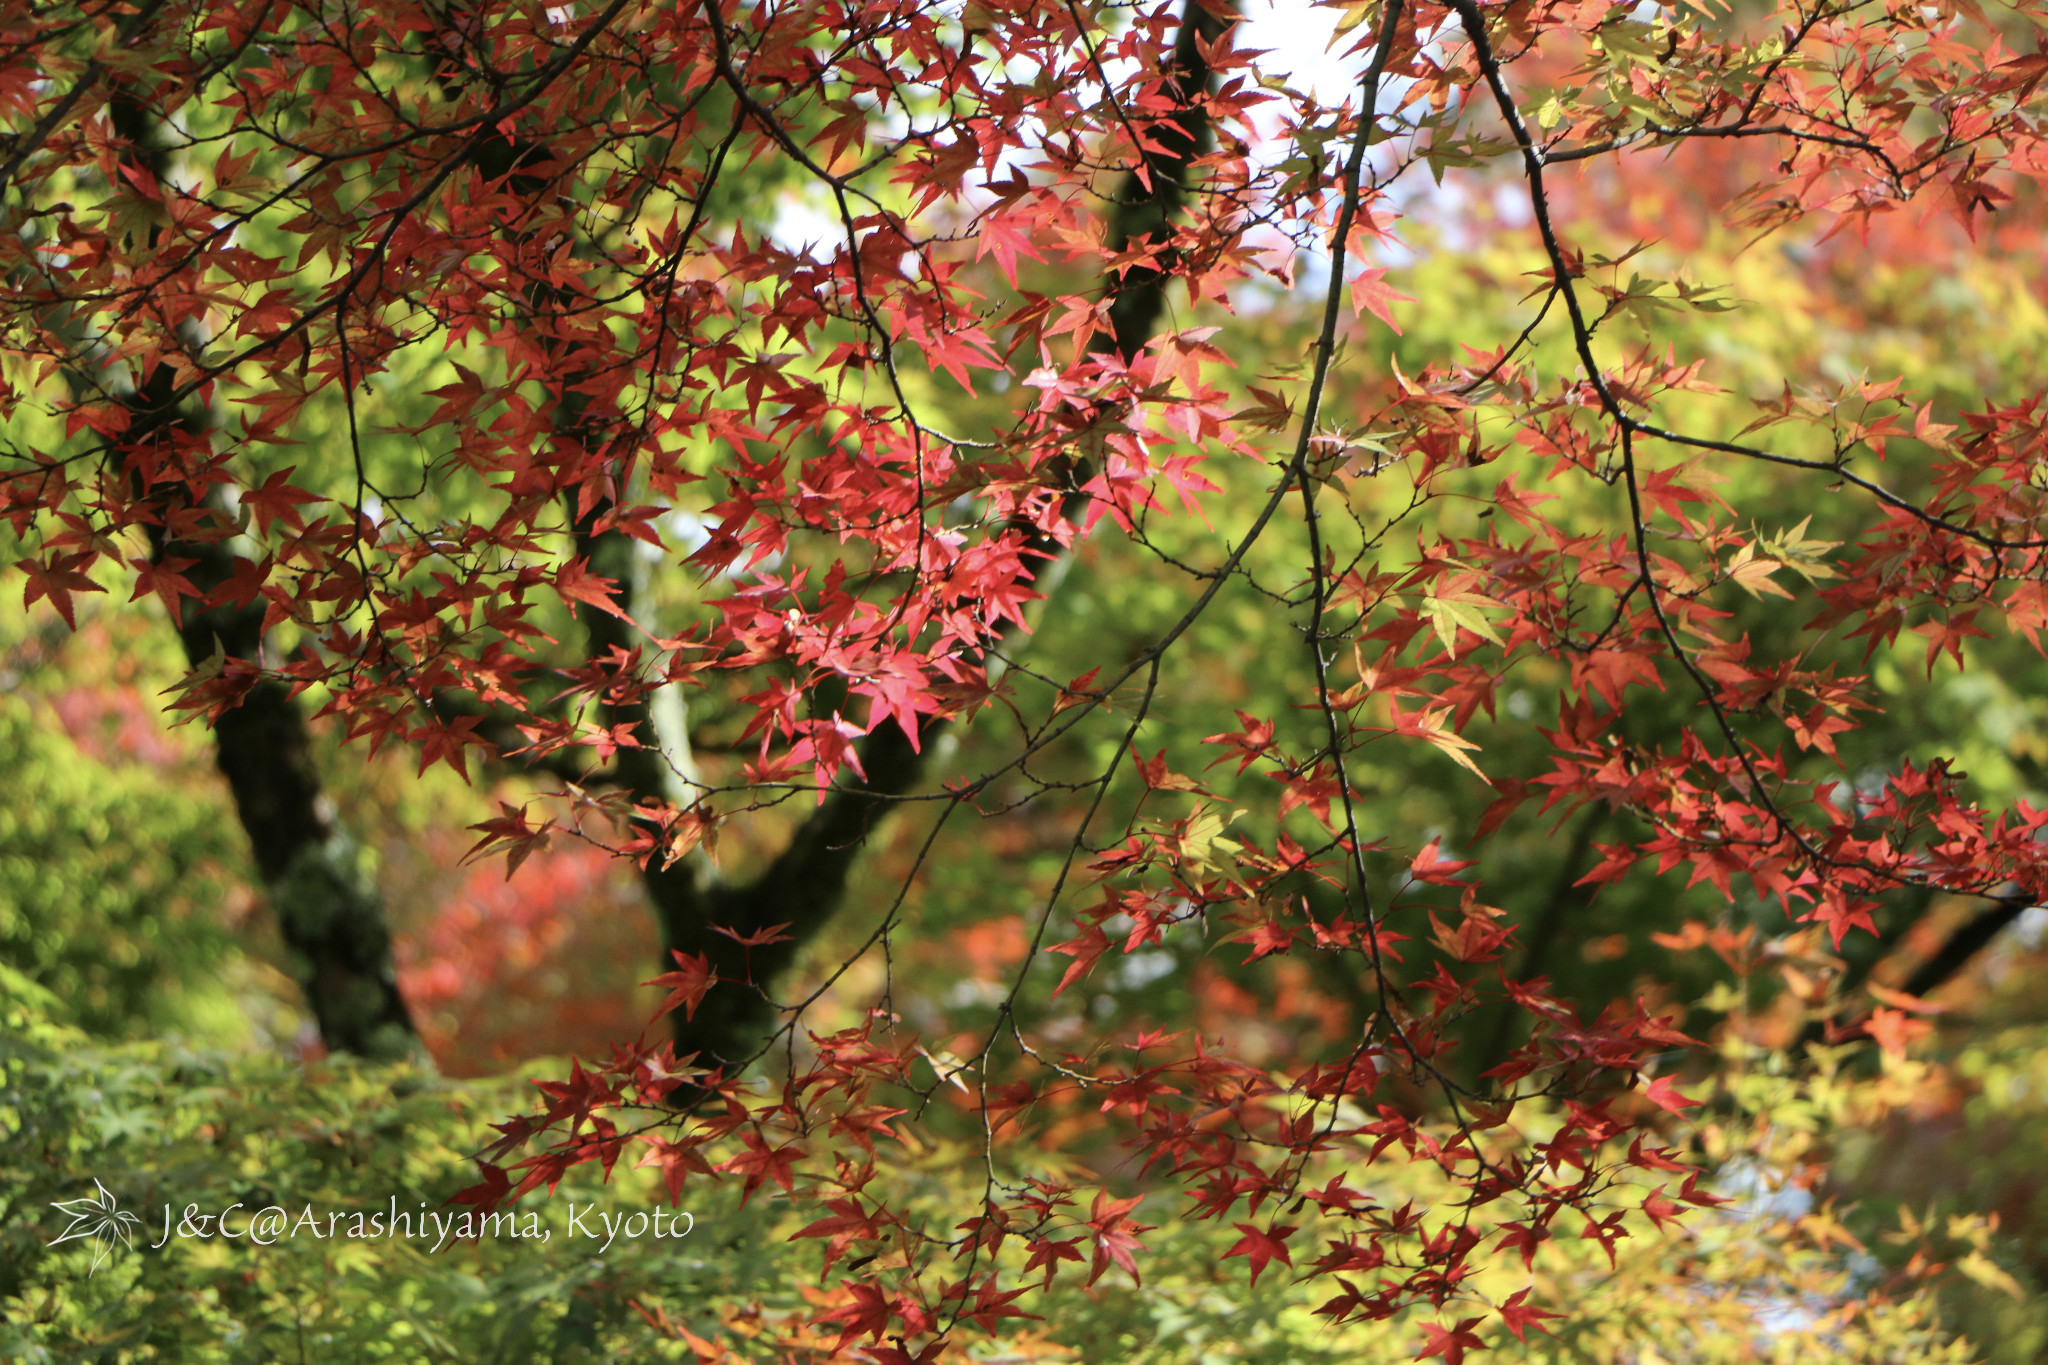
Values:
[(805, 883)]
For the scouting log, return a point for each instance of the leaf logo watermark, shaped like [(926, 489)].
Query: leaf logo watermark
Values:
[(97, 1217)]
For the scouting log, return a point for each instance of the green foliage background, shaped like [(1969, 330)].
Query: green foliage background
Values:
[(108, 882)]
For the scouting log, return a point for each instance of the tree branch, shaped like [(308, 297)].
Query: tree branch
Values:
[(806, 882), (1964, 944)]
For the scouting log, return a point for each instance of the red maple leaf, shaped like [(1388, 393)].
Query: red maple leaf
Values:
[(1116, 1237), (1262, 1246), (278, 499), (166, 579), (576, 583), (1450, 1342), (1665, 1096), (1369, 295), (1085, 948), (687, 984), (760, 1163), (57, 578), (1519, 1317)]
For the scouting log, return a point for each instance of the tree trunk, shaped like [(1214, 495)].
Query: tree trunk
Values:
[(314, 876)]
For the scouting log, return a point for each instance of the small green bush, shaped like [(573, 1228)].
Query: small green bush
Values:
[(108, 882), (156, 1124)]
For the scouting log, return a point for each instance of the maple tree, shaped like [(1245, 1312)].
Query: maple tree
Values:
[(439, 366)]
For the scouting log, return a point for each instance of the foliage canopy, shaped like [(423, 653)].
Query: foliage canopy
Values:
[(1213, 577)]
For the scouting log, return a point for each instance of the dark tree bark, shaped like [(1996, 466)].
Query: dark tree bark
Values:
[(1148, 213), (1541, 933), (314, 876), (1964, 944)]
